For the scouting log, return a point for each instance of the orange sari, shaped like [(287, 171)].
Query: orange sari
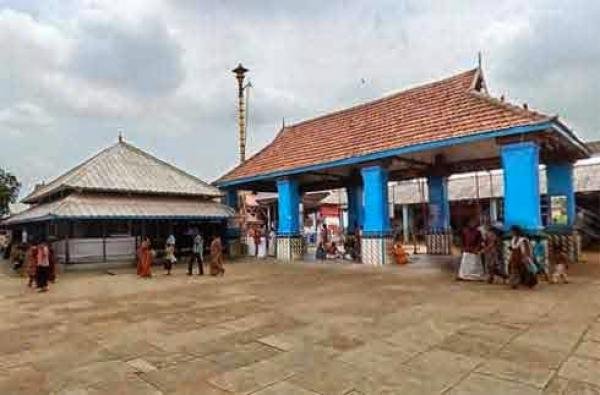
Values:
[(399, 254), (144, 266)]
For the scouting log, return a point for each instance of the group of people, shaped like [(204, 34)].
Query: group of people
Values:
[(347, 248), (482, 258), (37, 261), (146, 256)]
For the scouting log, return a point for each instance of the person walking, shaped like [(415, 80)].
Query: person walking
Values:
[(170, 258), (216, 257), (144, 267), (31, 264), (197, 255), (43, 267), (491, 256)]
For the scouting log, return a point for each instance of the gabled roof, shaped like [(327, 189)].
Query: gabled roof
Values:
[(125, 168), (120, 206), (453, 107)]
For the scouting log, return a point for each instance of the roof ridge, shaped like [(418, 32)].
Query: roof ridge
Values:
[(509, 106), (385, 97), (172, 167)]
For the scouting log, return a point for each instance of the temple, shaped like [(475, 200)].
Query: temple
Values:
[(100, 210), (429, 132)]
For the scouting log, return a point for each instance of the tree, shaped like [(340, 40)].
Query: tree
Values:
[(9, 191)]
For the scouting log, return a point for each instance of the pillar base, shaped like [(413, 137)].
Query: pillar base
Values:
[(376, 251), (439, 243), (290, 248)]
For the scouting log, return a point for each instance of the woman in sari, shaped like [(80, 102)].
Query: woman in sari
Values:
[(144, 267), (400, 256), (521, 260), (216, 257)]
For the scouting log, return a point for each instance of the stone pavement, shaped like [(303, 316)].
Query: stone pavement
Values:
[(299, 329)]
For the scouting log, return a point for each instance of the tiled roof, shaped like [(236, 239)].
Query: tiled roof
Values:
[(92, 205), (453, 107), (125, 168)]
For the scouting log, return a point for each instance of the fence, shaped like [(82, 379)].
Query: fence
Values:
[(95, 249)]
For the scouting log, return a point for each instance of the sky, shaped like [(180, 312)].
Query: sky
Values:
[(75, 73)]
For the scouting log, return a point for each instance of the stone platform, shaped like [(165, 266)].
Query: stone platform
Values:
[(299, 328)]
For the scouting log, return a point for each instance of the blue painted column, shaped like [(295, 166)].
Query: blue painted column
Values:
[(354, 194), (375, 243), (520, 162), (560, 183), (289, 242), (289, 207), (376, 209), (439, 207)]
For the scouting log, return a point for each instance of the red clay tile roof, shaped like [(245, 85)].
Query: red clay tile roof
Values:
[(452, 107)]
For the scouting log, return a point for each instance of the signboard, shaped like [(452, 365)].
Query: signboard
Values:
[(558, 210)]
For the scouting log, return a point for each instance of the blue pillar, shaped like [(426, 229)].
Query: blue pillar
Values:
[(560, 183), (520, 162), (376, 221), (439, 207), (355, 207), (289, 205)]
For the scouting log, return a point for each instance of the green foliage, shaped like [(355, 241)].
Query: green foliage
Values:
[(9, 190)]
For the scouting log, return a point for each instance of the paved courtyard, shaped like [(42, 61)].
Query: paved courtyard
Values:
[(297, 329)]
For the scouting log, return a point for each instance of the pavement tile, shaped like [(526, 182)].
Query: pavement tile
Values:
[(470, 345), (183, 375), (332, 377), (284, 388), (588, 349), (563, 386), (242, 354), (132, 386), (525, 354), (581, 369), (527, 373), (248, 379), (141, 365), (376, 355), (477, 384)]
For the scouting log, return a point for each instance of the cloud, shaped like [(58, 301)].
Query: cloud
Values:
[(78, 71), (141, 58)]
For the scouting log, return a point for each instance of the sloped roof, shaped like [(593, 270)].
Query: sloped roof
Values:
[(453, 107), (125, 168), (119, 206)]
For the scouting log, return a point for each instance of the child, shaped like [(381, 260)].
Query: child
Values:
[(561, 264)]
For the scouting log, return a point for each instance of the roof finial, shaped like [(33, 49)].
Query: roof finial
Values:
[(282, 122), (479, 56), (120, 135)]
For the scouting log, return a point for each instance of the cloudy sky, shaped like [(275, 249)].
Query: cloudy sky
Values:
[(73, 73)]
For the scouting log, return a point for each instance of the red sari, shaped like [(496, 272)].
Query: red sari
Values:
[(144, 265)]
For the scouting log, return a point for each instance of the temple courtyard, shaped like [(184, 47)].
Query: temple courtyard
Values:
[(302, 329)]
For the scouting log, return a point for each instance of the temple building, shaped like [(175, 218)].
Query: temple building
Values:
[(429, 132), (101, 209)]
